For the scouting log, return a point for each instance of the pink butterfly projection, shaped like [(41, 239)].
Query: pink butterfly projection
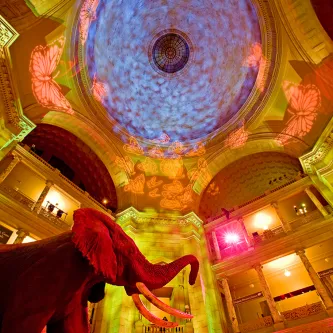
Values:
[(43, 62), (255, 56), (99, 90), (87, 15), (304, 102), (257, 59)]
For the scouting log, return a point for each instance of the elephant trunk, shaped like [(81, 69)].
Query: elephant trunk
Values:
[(156, 276)]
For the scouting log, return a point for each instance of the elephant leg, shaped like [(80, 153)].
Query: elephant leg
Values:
[(22, 323), (76, 322)]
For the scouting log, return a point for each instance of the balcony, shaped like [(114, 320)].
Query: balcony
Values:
[(33, 173)]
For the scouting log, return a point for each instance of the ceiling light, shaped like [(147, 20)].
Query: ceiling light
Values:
[(287, 273)]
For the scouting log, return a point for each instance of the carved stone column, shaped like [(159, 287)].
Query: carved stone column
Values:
[(21, 234), (38, 205), (216, 246), (285, 224), (317, 203), (10, 167), (277, 317), (316, 280), (248, 239), (230, 305)]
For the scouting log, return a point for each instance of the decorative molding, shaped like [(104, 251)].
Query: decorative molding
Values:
[(319, 152), (144, 218), (304, 29), (16, 124)]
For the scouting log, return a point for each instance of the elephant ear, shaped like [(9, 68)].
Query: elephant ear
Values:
[(91, 237)]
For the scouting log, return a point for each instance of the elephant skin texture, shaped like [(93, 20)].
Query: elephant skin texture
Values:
[(48, 282)]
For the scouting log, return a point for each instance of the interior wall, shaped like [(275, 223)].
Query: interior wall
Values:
[(286, 206), (26, 181)]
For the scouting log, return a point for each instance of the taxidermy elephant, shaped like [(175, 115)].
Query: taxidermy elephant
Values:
[(48, 283)]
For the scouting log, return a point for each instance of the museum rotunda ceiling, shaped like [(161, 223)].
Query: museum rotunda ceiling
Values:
[(175, 90)]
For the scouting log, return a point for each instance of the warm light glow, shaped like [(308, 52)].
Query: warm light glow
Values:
[(262, 220), (55, 198), (283, 262), (231, 238), (287, 273), (105, 201)]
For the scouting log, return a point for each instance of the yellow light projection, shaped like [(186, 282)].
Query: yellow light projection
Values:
[(133, 147), (136, 185)]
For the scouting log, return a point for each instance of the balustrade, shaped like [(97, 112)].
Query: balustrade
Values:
[(303, 311), (18, 196), (156, 329), (256, 324)]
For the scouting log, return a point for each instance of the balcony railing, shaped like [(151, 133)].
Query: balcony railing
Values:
[(310, 217), (256, 324), (54, 175), (29, 204), (18, 196), (155, 329), (303, 311)]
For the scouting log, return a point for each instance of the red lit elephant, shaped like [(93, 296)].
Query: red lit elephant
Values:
[(48, 283)]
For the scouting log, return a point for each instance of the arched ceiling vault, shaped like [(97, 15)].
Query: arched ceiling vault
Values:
[(75, 160), (105, 149)]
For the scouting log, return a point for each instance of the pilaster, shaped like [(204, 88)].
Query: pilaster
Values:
[(316, 281)]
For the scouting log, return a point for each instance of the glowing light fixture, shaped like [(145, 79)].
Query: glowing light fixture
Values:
[(287, 273), (262, 220), (105, 201), (231, 238)]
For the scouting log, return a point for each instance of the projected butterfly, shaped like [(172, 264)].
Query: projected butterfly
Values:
[(256, 59), (87, 15), (43, 62), (304, 102), (255, 56), (99, 90)]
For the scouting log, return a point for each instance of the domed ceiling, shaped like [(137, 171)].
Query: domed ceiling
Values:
[(162, 67)]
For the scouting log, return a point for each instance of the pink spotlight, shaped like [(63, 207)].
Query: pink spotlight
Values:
[(231, 238)]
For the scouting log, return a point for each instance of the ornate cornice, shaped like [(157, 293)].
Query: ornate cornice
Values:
[(304, 29), (17, 126), (146, 218), (320, 151)]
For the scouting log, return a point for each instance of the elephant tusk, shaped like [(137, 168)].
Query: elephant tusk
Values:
[(159, 304), (153, 319)]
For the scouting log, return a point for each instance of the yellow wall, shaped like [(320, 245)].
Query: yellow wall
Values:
[(287, 206), (26, 180)]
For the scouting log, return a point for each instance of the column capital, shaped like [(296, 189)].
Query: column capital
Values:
[(49, 183), (300, 252), (257, 267), (275, 204), (22, 232), (17, 158)]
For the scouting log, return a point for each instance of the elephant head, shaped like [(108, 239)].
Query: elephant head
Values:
[(116, 258)]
